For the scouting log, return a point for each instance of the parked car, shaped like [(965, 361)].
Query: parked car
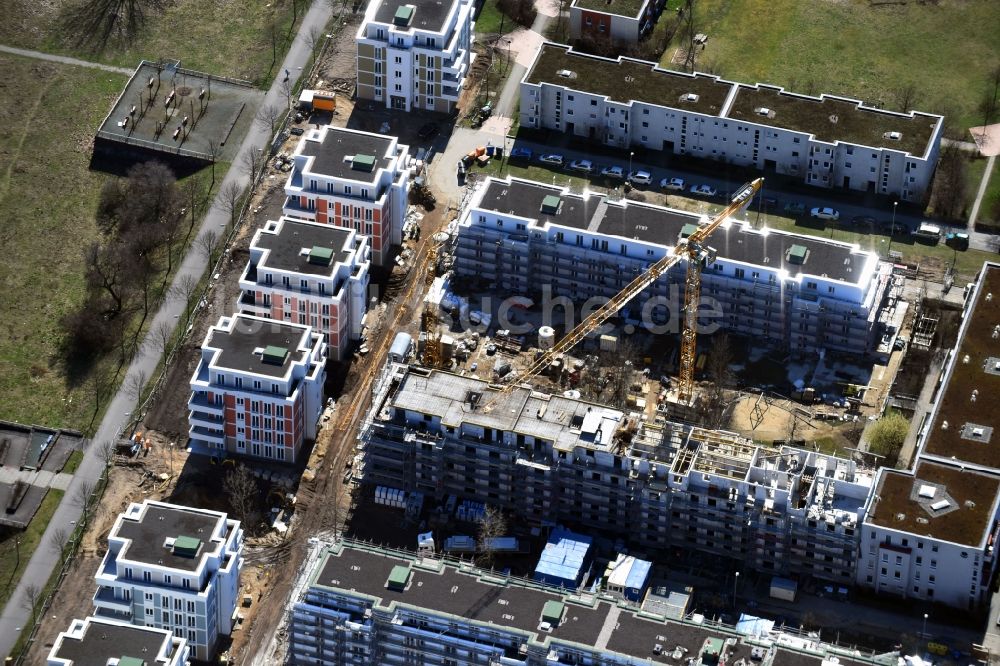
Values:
[(551, 158), (640, 177), (703, 190), (613, 172), (824, 213), (897, 229), (795, 208), (297, 131), (676, 184), (585, 166), (520, 154), (957, 240), (428, 131)]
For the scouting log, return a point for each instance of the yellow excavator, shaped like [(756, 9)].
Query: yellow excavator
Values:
[(694, 251)]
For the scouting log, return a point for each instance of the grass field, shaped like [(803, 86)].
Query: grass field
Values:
[(490, 17), (856, 48), (73, 462), (223, 37), (47, 198), (17, 547)]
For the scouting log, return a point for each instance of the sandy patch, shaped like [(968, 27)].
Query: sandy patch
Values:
[(987, 137)]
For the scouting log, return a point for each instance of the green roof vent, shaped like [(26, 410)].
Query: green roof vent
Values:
[(688, 229), (552, 612), (550, 204), (798, 254), (320, 255), (131, 661), (186, 546), (275, 355), (398, 578), (403, 16), (363, 162)]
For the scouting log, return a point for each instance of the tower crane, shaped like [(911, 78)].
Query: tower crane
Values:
[(692, 249)]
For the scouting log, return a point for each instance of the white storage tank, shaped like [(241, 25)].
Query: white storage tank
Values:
[(546, 337)]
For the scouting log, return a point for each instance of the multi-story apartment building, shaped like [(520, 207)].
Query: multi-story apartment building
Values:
[(415, 54), (353, 180), (801, 293), (101, 641), (827, 141), (363, 606), (258, 389), (557, 459), (175, 568), (931, 533), (620, 21), (311, 274)]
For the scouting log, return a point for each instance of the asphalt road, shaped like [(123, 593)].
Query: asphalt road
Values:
[(44, 559)]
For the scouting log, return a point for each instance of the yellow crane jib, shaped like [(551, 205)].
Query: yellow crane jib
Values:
[(691, 249)]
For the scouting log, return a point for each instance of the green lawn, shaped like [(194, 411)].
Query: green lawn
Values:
[(44, 232), (223, 37), (857, 48), (73, 462), (16, 547), (490, 17)]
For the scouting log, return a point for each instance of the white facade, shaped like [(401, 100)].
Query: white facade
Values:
[(415, 55), (592, 246), (147, 579), (287, 279), (330, 185), (101, 641), (258, 389), (826, 141)]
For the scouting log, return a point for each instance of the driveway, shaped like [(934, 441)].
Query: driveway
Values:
[(44, 560)]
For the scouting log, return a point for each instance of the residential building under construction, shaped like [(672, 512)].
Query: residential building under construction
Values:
[(554, 459)]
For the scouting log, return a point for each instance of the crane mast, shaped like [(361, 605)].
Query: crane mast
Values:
[(694, 250)]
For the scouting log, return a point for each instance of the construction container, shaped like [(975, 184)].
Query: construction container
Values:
[(783, 588), (447, 347)]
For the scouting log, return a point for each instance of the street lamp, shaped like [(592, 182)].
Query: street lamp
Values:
[(631, 153), (923, 634), (736, 582), (892, 228)]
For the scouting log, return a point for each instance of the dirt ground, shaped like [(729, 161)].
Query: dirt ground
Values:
[(775, 424)]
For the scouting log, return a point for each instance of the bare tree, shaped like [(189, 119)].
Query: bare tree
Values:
[(253, 162), (229, 199), (99, 383), (907, 97), (58, 540), (208, 243), (721, 377), (183, 289), (492, 525), (134, 382), (32, 595), (243, 494), (214, 150), (159, 337), (82, 498), (268, 115), (107, 450), (97, 23), (313, 37)]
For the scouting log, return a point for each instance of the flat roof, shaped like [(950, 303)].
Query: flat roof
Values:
[(627, 8), (429, 15), (906, 502), (662, 226), (331, 153), (524, 198), (833, 118), (148, 534), (210, 118), (248, 334), (565, 422), (518, 606), (285, 247), (625, 80), (955, 405), (103, 640)]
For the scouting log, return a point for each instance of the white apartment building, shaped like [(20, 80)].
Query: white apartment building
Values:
[(175, 568), (352, 180), (258, 389), (312, 274), (931, 534), (826, 141), (101, 641), (415, 54), (802, 293)]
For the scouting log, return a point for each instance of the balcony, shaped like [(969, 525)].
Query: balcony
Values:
[(199, 403), (208, 435), (207, 421), (105, 598)]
